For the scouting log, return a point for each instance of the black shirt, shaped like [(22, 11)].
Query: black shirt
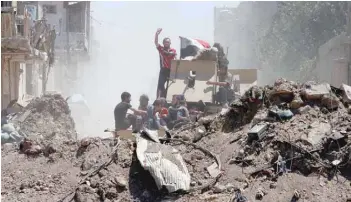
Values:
[(120, 114)]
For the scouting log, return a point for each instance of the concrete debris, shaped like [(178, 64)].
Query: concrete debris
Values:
[(121, 182), (330, 101), (213, 170), (304, 109), (315, 91), (346, 93), (318, 131), (218, 188), (49, 116), (284, 87), (302, 128)]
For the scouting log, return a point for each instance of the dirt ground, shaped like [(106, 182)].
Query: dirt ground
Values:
[(52, 178)]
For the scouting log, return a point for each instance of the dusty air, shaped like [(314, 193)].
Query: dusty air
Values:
[(175, 101)]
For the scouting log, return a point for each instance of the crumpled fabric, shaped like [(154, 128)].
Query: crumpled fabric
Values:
[(11, 137), (9, 134)]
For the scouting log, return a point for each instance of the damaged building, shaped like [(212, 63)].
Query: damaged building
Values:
[(22, 65), (71, 21), (42, 44)]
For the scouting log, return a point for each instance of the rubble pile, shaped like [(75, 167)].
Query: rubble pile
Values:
[(47, 116), (263, 147), (275, 130)]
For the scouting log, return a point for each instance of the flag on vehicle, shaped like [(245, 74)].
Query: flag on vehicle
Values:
[(190, 47)]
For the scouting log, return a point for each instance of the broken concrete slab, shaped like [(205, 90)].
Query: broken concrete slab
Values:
[(284, 87), (316, 91), (330, 101), (346, 93), (213, 170), (318, 131)]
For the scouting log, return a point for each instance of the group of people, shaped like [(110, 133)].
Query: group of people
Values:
[(157, 115), (224, 80), (150, 116)]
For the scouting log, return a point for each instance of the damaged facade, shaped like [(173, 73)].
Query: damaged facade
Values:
[(71, 21), (22, 64), (34, 54)]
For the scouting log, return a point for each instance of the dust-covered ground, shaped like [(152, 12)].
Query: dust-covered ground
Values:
[(313, 144)]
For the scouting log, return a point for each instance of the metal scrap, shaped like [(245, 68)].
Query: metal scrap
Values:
[(258, 132), (164, 163)]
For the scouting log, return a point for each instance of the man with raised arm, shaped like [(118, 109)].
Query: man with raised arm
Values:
[(167, 54)]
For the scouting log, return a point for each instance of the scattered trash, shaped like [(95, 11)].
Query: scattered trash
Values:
[(259, 194), (281, 167), (213, 170), (258, 132), (238, 197), (280, 114), (160, 159), (296, 196)]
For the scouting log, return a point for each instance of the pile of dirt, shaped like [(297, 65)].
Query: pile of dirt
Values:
[(309, 144), (47, 116)]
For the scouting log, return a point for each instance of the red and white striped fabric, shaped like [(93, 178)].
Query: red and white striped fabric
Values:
[(190, 47)]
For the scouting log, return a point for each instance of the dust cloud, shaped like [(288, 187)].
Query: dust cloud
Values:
[(125, 58)]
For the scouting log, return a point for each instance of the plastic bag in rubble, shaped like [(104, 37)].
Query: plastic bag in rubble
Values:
[(10, 137), (8, 128), (164, 163), (9, 134)]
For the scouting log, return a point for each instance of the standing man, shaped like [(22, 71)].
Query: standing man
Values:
[(122, 121), (224, 83), (167, 54)]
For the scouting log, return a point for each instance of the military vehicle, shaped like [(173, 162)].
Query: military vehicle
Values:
[(189, 79)]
